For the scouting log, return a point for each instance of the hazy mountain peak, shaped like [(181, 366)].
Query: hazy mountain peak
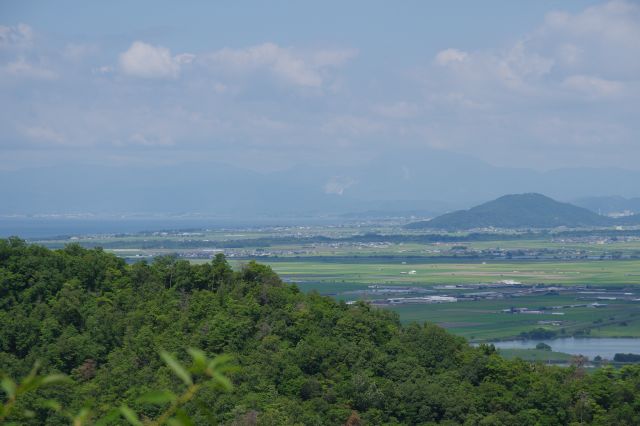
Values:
[(530, 210)]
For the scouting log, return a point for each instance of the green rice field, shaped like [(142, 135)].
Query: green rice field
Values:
[(604, 273), (344, 267)]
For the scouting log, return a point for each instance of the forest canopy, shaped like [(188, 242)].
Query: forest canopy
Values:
[(301, 358)]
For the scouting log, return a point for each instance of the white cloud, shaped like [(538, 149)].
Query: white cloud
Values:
[(495, 102), (332, 58), (291, 67), (449, 56), (526, 64), (105, 69), (79, 51), (184, 58), (23, 58), (266, 123), (602, 39), (396, 110), (351, 125), (614, 21), (149, 139), (19, 36), (569, 54), (594, 86), (147, 61), (514, 67), (278, 60), (593, 53), (21, 68), (456, 99), (44, 134), (338, 184), (501, 101), (219, 87)]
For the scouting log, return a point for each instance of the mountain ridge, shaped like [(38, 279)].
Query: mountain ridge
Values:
[(607, 205), (518, 211), (431, 181)]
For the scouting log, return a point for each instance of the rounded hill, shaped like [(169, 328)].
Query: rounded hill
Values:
[(517, 211)]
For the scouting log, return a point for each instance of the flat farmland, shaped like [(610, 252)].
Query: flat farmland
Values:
[(346, 262), (605, 273), (484, 320)]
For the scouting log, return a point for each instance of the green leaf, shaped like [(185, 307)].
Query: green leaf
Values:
[(158, 397), (221, 361), (177, 367), (181, 419), (9, 386), (223, 381), (32, 374), (35, 382), (52, 405), (55, 378), (130, 415), (82, 417), (199, 359), (109, 418)]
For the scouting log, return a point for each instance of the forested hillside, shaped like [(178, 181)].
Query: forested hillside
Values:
[(303, 359), (518, 211)]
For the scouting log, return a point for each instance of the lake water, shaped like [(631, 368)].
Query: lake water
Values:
[(590, 347), (36, 227)]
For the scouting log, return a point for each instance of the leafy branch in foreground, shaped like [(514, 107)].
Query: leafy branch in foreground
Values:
[(203, 371), (32, 382)]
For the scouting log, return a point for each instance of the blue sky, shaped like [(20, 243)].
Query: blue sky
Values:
[(269, 85)]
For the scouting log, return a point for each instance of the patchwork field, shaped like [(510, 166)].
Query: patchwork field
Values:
[(597, 273), (484, 320), (344, 261)]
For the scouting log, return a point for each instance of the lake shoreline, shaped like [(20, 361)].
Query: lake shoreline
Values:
[(591, 347)]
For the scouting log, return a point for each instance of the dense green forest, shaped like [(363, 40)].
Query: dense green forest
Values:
[(301, 358)]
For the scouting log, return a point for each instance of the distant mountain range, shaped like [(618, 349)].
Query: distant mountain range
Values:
[(610, 205), (422, 182), (520, 211)]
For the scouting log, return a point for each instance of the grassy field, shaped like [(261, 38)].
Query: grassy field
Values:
[(604, 273), (536, 355), (625, 329), (484, 320)]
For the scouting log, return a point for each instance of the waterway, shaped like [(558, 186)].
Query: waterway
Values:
[(589, 346)]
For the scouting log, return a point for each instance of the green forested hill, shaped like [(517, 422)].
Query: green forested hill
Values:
[(517, 211), (303, 359)]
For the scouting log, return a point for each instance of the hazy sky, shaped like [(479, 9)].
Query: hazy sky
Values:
[(541, 84)]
